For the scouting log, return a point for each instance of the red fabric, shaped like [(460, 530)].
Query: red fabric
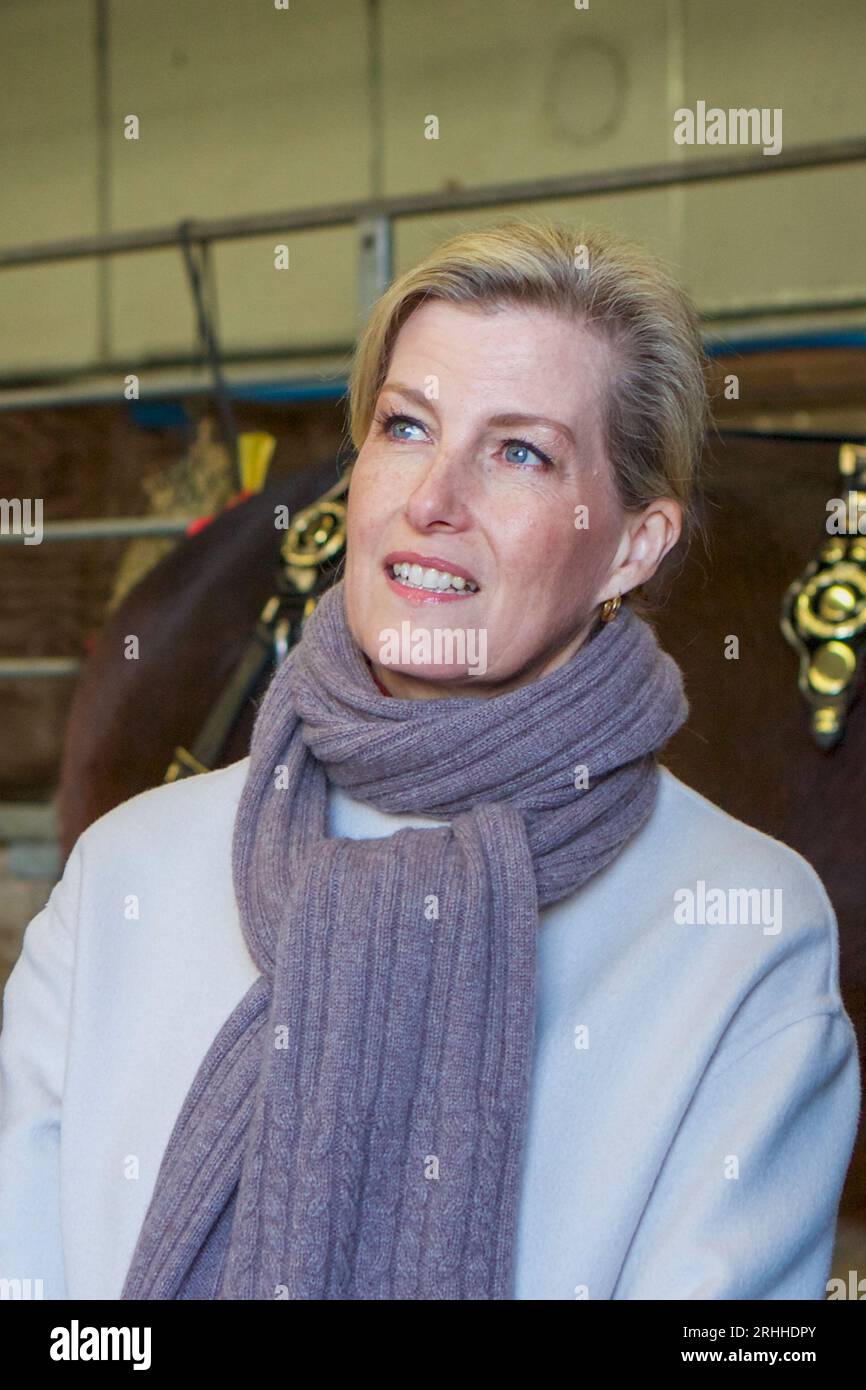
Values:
[(201, 522), (376, 678)]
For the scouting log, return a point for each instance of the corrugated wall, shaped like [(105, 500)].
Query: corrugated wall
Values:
[(244, 108)]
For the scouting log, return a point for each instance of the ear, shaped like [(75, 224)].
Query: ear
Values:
[(647, 537)]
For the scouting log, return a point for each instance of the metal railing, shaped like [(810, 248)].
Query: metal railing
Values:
[(373, 220), (16, 668), (105, 529)]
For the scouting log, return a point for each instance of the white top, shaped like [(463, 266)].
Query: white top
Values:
[(695, 1093)]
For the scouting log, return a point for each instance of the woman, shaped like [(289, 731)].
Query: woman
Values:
[(421, 1000)]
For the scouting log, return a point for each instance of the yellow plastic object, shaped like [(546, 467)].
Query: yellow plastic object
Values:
[(256, 451)]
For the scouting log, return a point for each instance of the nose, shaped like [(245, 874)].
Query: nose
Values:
[(440, 497)]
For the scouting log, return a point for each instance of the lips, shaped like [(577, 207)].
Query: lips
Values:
[(428, 578), (435, 562)]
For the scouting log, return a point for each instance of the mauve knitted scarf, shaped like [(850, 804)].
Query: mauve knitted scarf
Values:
[(356, 1129)]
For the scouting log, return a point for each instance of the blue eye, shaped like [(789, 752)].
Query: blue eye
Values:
[(387, 421), (527, 449)]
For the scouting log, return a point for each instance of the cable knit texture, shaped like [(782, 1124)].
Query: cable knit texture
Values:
[(357, 1126)]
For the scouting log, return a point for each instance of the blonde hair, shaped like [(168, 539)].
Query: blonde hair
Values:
[(656, 409)]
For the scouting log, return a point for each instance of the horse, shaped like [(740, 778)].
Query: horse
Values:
[(191, 616)]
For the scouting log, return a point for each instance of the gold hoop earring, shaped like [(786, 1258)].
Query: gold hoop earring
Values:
[(610, 608)]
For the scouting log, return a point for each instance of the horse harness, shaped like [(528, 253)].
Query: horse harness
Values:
[(310, 554)]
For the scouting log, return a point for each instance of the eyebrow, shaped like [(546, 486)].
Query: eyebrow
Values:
[(503, 419)]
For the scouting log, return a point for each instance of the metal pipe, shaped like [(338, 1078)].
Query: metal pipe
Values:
[(76, 387), (107, 529), (27, 820), (631, 180), (63, 390), (787, 342), (197, 261), (15, 668), (792, 436), (790, 308)]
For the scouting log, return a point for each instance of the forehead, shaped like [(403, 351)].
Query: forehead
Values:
[(510, 357)]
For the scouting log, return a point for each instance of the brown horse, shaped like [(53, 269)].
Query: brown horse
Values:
[(746, 746), (192, 615)]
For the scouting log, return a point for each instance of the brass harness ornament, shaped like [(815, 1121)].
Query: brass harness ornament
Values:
[(824, 612), (309, 554)]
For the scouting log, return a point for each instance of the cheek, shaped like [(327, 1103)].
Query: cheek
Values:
[(554, 566), (539, 547), (365, 517)]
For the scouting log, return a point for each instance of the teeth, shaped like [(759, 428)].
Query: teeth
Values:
[(435, 580)]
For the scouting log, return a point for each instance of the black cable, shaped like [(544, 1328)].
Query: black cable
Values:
[(207, 333)]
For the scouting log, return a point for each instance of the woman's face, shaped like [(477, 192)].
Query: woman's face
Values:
[(494, 448)]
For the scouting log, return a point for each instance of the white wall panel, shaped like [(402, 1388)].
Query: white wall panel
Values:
[(246, 109)]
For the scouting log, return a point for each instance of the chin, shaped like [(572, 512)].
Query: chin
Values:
[(430, 675)]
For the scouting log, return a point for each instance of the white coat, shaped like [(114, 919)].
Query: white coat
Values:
[(695, 1092)]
